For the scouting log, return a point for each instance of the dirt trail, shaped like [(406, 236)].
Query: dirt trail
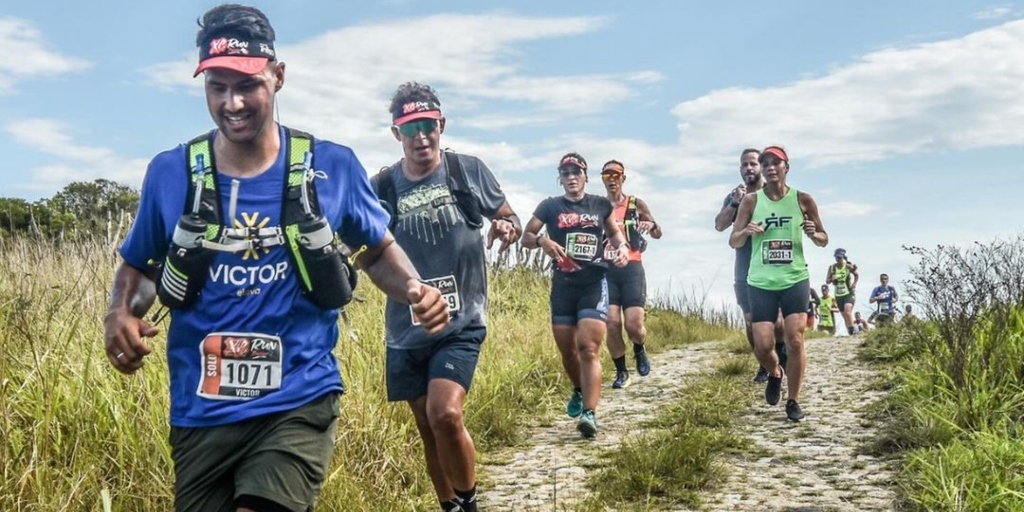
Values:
[(800, 467)]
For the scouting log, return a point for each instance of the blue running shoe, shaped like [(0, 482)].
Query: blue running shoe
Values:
[(643, 365), (587, 425), (621, 380), (575, 406)]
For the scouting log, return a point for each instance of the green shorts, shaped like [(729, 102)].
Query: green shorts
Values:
[(282, 458)]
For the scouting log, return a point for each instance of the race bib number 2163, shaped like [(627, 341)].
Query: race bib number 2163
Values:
[(240, 366)]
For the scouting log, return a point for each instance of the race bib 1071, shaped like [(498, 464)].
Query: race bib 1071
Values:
[(240, 366)]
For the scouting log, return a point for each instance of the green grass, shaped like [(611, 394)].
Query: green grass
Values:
[(959, 445), (74, 433), (680, 456)]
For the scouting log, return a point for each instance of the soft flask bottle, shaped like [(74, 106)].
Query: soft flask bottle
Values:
[(331, 279), (184, 271)]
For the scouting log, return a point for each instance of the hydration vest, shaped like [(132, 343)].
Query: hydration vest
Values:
[(325, 275), (465, 201), (630, 221)]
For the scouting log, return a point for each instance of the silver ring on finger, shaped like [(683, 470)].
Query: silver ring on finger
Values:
[(119, 355)]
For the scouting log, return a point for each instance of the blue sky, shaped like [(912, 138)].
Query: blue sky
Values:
[(901, 118)]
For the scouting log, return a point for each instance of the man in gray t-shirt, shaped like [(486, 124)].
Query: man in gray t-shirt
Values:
[(438, 202)]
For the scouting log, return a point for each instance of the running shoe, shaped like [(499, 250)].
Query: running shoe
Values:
[(575, 406), (793, 412), (621, 380), (773, 391), (761, 376), (587, 425), (643, 365)]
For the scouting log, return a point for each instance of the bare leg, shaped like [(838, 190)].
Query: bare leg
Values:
[(797, 365), (616, 345), (565, 338), (589, 333)]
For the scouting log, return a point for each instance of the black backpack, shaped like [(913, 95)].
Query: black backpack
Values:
[(467, 203)]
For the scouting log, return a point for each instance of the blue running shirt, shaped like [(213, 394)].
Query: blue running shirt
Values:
[(252, 345)]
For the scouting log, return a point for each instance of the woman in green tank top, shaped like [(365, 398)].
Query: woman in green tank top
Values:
[(776, 219)]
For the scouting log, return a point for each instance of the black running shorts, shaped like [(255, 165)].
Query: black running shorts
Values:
[(765, 304), (572, 302), (627, 286)]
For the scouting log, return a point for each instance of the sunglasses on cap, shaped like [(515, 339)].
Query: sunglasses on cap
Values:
[(424, 126)]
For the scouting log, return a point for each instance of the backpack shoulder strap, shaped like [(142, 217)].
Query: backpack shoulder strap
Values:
[(465, 200), (199, 165), (299, 149), (456, 174), (631, 208), (384, 186)]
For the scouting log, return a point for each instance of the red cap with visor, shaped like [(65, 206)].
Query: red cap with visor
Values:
[(237, 53)]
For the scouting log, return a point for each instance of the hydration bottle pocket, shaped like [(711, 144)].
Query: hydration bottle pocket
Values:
[(326, 276), (184, 271)]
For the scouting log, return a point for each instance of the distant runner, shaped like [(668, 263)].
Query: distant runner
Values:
[(812, 309), (883, 296), (843, 275), (576, 223), (908, 315), (859, 324), (750, 173), (627, 286), (827, 310), (775, 220)]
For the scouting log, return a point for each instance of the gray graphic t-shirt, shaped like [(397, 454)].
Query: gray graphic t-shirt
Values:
[(446, 252)]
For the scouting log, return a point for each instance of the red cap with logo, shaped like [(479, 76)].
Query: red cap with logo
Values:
[(238, 53)]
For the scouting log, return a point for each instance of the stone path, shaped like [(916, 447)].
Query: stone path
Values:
[(813, 466), (806, 467)]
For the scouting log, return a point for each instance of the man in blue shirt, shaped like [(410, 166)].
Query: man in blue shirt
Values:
[(883, 296), (253, 381)]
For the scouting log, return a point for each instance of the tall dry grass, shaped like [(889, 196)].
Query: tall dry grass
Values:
[(74, 433)]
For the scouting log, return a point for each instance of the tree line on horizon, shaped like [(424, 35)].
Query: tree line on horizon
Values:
[(80, 210)]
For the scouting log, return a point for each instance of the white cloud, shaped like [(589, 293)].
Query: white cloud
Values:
[(338, 83), (26, 56), (993, 12), (78, 163), (846, 209), (955, 94)]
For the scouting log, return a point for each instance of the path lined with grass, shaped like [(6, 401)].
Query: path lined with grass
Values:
[(551, 472), (814, 465)]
